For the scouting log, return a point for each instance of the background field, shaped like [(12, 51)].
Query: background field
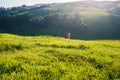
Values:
[(56, 58)]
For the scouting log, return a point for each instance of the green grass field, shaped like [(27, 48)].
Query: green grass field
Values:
[(55, 58)]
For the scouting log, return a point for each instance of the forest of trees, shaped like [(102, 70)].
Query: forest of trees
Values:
[(56, 19)]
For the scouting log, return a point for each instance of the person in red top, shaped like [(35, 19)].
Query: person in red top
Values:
[(68, 35)]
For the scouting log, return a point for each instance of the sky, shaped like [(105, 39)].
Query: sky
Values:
[(13, 3)]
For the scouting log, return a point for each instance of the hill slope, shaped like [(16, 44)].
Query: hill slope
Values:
[(83, 19), (53, 58)]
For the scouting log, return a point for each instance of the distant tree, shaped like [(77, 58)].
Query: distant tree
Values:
[(23, 5), (2, 8)]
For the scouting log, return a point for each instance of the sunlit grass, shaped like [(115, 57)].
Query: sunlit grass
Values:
[(55, 58), (93, 12)]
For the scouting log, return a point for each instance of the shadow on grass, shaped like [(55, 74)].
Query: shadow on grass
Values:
[(78, 59), (83, 47), (8, 69), (10, 47)]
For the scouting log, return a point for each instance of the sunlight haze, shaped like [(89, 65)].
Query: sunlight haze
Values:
[(12, 3)]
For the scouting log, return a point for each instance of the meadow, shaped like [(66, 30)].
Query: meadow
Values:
[(56, 58)]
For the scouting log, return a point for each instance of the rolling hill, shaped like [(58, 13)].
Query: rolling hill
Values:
[(32, 46), (83, 19)]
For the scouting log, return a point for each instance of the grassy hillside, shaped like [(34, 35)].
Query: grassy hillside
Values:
[(83, 19), (55, 58)]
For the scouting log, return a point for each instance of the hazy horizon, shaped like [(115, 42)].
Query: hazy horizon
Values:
[(14, 3)]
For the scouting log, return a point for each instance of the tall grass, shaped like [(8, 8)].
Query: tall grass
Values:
[(55, 58)]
